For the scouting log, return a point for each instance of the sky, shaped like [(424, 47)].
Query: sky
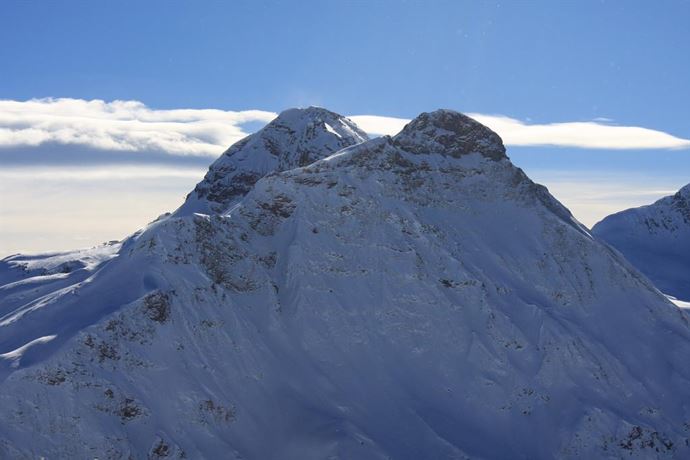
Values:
[(110, 112)]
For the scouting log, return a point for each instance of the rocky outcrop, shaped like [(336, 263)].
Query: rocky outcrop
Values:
[(450, 133)]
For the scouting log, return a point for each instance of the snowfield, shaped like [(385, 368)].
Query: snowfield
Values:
[(414, 296)]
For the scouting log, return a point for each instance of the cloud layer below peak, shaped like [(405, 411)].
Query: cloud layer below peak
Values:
[(122, 126), (587, 135), (131, 126)]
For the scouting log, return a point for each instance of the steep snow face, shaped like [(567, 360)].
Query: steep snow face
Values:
[(393, 300), (656, 239), (297, 137)]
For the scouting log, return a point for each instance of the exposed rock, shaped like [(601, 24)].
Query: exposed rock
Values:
[(449, 133), (157, 306)]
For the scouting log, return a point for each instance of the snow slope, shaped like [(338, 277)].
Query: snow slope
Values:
[(25, 278), (407, 297), (21, 266), (656, 239)]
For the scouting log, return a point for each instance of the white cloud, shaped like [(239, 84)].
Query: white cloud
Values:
[(590, 134), (680, 303), (99, 173), (122, 126), (133, 127)]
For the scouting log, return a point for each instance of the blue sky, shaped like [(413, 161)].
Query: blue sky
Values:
[(547, 61), (614, 63)]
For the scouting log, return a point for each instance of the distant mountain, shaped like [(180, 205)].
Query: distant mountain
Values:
[(656, 239), (414, 296)]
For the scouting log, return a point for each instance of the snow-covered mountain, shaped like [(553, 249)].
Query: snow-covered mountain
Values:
[(414, 296), (296, 138), (656, 239)]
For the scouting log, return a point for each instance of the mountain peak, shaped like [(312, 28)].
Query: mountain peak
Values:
[(296, 134), (450, 133), (295, 114), (295, 138)]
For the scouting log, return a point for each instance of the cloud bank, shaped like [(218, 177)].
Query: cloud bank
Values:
[(131, 126), (122, 126), (72, 174), (588, 135)]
